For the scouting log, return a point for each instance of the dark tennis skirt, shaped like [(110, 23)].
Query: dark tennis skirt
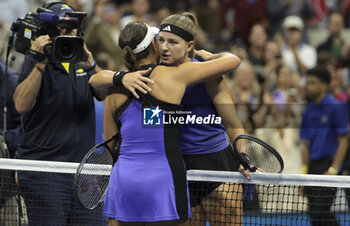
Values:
[(223, 160)]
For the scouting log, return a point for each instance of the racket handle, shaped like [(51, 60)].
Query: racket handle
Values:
[(248, 192)]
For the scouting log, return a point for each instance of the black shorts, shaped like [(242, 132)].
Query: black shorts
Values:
[(223, 160)]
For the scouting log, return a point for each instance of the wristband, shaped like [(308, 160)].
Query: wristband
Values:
[(117, 78), (39, 57), (39, 68), (332, 170), (91, 68)]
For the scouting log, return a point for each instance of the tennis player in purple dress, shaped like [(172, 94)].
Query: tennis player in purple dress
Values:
[(148, 182)]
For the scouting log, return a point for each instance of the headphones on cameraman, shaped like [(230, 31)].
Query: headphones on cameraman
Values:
[(52, 3), (48, 5)]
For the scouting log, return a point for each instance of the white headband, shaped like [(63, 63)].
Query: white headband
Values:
[(151, 32)]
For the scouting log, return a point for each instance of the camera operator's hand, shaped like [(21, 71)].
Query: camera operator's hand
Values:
[(39, 43), (37, 48), (88, 61)]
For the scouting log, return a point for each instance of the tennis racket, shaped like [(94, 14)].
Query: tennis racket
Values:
[(92, 175), (254, 153)]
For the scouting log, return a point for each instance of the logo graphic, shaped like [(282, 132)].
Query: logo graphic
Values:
[(167, 28), (152, 116)]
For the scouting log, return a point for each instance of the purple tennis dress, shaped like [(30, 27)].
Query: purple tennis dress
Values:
[(148, 182)]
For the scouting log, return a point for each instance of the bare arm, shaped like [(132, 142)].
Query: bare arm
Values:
[(27, 91), (195, 72), (301, 66), (132, 81)]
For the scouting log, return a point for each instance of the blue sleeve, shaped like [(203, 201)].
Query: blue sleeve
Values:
[(341, 119), (304, 128)]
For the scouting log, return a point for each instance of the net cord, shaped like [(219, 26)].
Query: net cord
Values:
[(192, 175)]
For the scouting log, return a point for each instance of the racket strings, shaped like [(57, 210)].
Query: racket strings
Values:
[(259, 156), (93, 178)]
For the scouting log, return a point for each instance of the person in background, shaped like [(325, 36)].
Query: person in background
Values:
[(323, 132), (58, 124), (296, 54), (102, 32), (139, 12), (335, 44), (278, 10)]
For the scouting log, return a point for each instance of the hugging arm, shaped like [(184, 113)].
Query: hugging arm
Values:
[(217, 65), (132, 81)]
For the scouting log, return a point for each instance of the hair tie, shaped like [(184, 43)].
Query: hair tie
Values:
[(127, 43)]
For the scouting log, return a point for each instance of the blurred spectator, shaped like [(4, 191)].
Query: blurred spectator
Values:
[(238, 16), (324, 134), (10, 10), (244, 87), (180, 6), (209, 19), (272, 59), (335, 44), (245, 92), (337, 88), (160, 14), (345, 10), (139, 12), (257, 40), (297, 55), (102, 33), (279, 117), (322, 10), (278, 10), (34, 4), (282, 104)]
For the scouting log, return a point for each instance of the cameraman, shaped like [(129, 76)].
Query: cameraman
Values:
[(58, 124)]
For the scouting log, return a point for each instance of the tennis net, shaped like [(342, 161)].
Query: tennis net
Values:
[(218, 198)]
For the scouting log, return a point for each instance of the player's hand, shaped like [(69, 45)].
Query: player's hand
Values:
[(137, 81), (205, 55), (244, 172)]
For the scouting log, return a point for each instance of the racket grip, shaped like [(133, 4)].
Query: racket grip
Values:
[(248, 192)]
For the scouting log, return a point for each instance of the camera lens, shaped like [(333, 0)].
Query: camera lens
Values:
[(66, 51)]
